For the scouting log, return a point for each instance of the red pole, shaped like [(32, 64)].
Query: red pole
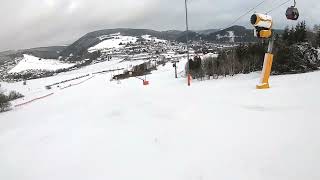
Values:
[(189, 79)]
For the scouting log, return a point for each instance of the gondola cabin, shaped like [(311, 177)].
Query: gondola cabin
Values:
[(292, 13)]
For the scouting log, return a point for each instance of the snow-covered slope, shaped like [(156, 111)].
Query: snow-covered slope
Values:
[(113, 41), (150, 38), (230, 35), (221, 129), (116, 41), (29, 62)]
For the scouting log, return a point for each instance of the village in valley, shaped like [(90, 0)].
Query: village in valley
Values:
[(142, 49)]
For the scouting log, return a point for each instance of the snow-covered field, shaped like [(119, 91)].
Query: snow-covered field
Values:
[(37, 87), (115, 41), (220, 129), (150, 38), (29, 62)]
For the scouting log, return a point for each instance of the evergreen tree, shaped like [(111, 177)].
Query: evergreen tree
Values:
[(316, 28), (295, 34), (292, 37), (318, 39), (286, 34), (300, 34)]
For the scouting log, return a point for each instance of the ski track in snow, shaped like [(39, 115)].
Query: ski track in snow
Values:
[(220, 129)]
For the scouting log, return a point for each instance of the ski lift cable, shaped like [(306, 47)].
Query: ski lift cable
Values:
[(272, 3), (246, 13), (279, 6)]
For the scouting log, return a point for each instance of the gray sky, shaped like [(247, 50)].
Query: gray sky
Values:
[(34, 23)]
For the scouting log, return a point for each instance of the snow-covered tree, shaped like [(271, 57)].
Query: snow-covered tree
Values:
[(318, 38)]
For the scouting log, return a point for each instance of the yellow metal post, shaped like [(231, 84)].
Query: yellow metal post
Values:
[(267, 66)]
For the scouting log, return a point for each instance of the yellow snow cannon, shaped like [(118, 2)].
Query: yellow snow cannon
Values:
[(262, 24)]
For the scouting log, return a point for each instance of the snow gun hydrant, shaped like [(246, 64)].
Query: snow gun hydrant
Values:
[(263, 24), (145, 82)]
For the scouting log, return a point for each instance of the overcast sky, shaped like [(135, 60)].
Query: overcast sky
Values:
[(35, 23)]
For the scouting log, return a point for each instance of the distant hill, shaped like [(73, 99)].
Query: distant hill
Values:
[(207, 31), (80, 46), (193, 36), (234, 34), (52, 52)]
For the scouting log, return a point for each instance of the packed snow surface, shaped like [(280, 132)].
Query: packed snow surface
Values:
[(219, 129), (114, 41), (29, 62)]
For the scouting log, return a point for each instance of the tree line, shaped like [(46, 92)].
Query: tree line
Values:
[(295, 51)]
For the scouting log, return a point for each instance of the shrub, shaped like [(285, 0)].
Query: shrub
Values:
[(13, 95), (48, 87), (4, 103)]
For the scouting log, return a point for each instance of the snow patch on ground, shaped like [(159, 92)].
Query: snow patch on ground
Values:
[(30, 62), (150, 38), (103, 37), (210, 55), (230, 35)]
